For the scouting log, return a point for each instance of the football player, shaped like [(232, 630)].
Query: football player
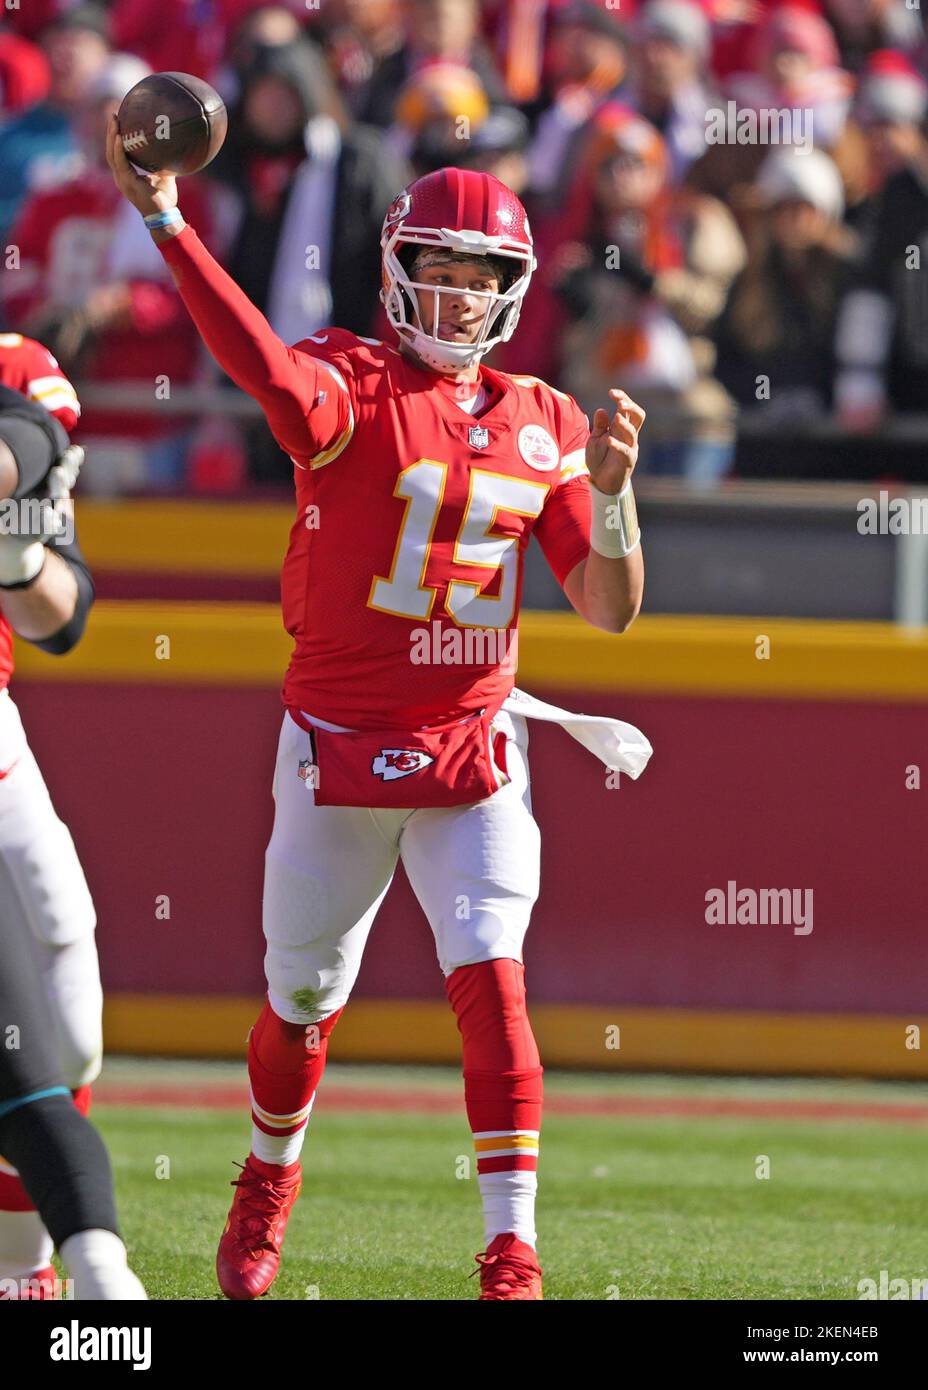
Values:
[(420, 475), (50, 1006)]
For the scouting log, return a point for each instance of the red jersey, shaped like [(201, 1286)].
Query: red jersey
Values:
[(403, 578), (30, 368)]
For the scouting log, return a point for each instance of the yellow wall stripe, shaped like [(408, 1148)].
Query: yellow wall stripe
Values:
[(373, 1030), (181, 537), (245, 644)]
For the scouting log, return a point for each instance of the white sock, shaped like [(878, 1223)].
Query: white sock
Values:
[(509, 1204), (282, 1149), (271, 1149), (96, 1261)]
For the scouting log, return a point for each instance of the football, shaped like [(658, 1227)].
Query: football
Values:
[(172, 121)]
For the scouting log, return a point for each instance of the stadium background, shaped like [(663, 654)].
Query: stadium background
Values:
[(793, 771)]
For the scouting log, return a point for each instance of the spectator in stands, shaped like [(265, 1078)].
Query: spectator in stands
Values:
[(444, 100), (175, 35), (436, 31), (863, 26), (882, 331), (792, 84), (24, 74), (359, 36), (516, 29), (587, 66), (304, 175), (38, 147), (642, 288), (670, 85), (775, 337), (498, 147), (891, 103), (268, 26), (311, 190), (93, 288), (796, 67)]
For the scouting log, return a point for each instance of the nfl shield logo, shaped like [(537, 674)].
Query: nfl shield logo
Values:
[(478, 436)]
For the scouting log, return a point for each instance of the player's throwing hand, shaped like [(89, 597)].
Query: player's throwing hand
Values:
[(612, 448), (149, 193)]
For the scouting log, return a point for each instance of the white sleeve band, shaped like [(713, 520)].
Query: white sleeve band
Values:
[(614, 530)]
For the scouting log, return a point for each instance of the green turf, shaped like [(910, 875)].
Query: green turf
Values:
[(629, 1208)]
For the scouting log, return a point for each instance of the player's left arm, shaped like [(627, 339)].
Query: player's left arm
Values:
[(589, 528), (606, 588)]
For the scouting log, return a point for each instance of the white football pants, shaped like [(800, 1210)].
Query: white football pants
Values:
[(474, 869), (42, 887)]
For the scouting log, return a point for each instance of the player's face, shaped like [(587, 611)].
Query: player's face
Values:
[(456, 314)]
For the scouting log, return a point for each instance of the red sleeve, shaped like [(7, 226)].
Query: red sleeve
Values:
[(563, 529), (304, 419), (43, 381)]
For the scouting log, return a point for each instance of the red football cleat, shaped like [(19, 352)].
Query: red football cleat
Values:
[(42, 1284), (248, 1257), (509, 1269)]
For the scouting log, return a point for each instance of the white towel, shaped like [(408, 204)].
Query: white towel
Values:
[(618, 745)]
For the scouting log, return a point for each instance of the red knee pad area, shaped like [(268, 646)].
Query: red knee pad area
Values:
[(503, 1086), (286, 1061), (489, 1002)]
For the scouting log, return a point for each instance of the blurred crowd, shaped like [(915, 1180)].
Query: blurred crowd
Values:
[(729, 200)]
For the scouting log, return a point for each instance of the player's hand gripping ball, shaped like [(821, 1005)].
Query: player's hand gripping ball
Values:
[(612, 448), (173, 123)]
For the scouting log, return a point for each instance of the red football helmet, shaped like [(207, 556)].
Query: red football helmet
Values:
[(468, 213)]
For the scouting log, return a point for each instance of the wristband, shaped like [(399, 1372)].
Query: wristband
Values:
[(155, 220), (614, 529)]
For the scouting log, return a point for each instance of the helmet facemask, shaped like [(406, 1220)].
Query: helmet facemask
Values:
[(402, 258)]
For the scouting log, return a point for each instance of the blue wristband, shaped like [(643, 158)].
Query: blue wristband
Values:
[(154, 220)]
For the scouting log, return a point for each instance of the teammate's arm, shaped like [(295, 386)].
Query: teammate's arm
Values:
[(304, 416), (52, 611), (45, 591)]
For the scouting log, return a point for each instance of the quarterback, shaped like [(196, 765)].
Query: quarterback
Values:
[(421, 474)]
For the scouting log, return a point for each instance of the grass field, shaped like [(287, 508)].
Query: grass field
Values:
[(631, 1205)]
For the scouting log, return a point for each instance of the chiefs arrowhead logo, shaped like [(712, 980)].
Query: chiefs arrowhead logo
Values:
[(399, 762), (398, 209)]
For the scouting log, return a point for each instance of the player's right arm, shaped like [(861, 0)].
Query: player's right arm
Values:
[(306, 417)]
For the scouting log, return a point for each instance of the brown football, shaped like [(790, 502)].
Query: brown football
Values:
[(172, 121)]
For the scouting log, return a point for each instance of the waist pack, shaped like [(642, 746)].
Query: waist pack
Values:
[(446, 765)]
